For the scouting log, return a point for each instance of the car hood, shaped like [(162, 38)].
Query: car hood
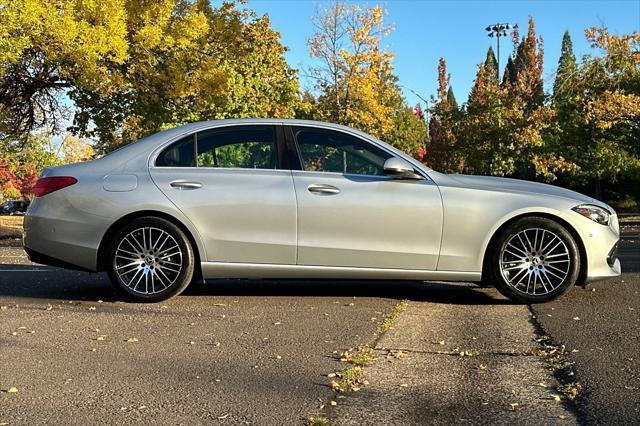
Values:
[(500, 184)]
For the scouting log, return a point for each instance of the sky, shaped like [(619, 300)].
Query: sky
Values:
[(427, 30)]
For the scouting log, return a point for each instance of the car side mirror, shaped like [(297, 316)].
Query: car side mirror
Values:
[(400, 169)]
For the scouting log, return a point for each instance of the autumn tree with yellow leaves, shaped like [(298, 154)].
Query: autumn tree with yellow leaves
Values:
[(354, 77), (134, 67)]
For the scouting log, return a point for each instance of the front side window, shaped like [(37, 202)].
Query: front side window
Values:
[(250, 147), (324, 150)]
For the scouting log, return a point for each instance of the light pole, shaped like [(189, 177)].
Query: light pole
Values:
[(498, 30)]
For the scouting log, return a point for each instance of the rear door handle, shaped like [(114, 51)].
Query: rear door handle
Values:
[(321, 189), (181, 184)]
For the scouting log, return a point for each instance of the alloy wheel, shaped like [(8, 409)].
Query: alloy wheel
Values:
[(148, 260), (535, 261)]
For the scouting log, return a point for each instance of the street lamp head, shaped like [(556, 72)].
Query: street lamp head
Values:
[(490, 34), (488, 28)]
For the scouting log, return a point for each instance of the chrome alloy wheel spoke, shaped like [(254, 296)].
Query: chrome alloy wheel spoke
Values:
[(535, 261), (148, 260)]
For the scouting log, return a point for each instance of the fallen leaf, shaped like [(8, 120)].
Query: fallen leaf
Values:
[(12, 389), (132, 339), (333, 403), (576, 318), (404, 385), (514, 406)]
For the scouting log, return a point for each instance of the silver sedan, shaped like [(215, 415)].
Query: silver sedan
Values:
[(301, 199)]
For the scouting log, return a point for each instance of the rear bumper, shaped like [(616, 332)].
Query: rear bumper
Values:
[(57, 234), (43, 259)]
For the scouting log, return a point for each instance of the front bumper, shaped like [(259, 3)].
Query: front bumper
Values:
[(601, 244)]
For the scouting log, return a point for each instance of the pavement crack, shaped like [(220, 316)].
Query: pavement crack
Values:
[(465, 352)]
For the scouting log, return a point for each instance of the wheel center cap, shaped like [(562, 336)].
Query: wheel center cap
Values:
[(149, 260)]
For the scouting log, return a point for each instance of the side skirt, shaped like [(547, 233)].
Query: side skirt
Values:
[(218, 270)]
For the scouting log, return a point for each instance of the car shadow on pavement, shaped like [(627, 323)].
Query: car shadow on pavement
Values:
[(47, 283), (438, 292)]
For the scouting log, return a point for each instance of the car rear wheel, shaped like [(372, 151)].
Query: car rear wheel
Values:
[(534, 260), (151, 260)]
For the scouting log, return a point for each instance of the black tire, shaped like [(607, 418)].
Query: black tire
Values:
[(151, 261), (515, 283)]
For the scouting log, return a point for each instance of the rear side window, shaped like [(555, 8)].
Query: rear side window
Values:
[(250, 147), (178, 154), (247, 147)]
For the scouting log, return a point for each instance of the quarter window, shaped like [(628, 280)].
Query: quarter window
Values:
[(324, 150), (178, 154)]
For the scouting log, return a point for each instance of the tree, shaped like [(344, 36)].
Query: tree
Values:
[(75, 150), (189, 61), (132, 68), (528, 64), (354, 76), (443, 153), (484, 134), (49, 47), (567, 69), (609, 99), (491, 63)]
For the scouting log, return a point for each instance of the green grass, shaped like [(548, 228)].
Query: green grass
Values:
[(317, 421), (392, 316)]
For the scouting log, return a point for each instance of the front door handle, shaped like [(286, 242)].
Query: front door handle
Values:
[(181, 184), (321, 189)]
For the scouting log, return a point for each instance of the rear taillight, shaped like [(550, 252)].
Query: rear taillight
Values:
[(48, 185)]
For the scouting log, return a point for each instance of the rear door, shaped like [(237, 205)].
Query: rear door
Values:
[(233, 184), (350, 214)]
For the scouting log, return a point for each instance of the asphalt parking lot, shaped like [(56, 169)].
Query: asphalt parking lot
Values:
[(259, 352)]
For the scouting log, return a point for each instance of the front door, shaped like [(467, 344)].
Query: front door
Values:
[(350, 214)]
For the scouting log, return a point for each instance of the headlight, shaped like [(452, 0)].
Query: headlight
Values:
[(593, 212)]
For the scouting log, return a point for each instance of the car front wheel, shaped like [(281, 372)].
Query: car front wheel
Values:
[(151, 260), (534, 260)]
